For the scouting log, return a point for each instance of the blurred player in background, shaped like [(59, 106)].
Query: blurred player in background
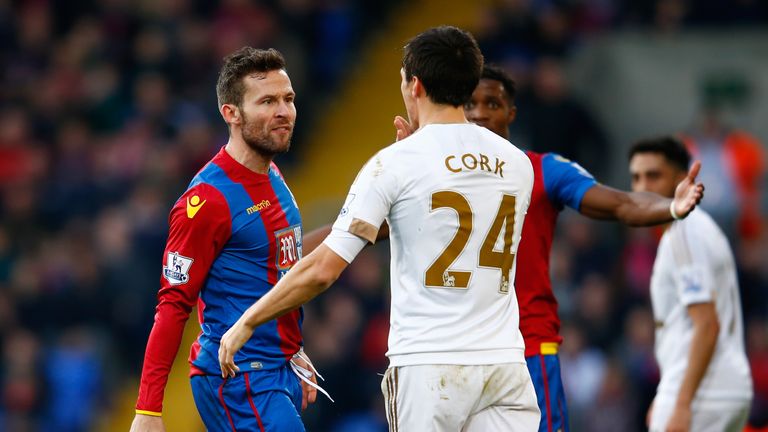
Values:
[(558, 182), (705, 379), (454, 196), (233, 234)]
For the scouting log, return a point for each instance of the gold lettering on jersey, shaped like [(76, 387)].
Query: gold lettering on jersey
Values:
[(472, 162), (448, 164), (258, 207), (469, 161), (484, 163), (498, 170)]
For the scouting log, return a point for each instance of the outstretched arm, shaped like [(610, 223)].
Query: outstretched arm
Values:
[(643, 208), (310, 276)]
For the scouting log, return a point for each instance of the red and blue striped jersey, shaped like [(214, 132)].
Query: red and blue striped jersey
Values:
[(232, 235), (557, 182)]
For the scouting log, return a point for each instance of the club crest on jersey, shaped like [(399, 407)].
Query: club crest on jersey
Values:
[(288, 245), (176, 268)]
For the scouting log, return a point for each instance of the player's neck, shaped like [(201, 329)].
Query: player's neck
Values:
[(246, 156), (430, 113)]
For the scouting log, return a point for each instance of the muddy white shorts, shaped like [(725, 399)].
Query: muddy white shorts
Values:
[(452, 398)]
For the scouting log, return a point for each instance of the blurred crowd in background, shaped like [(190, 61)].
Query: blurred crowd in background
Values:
[(107, 109)]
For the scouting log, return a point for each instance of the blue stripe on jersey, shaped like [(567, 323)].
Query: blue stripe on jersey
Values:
[(238, 277), (565, 181)]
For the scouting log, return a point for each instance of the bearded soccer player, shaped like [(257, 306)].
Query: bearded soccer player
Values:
[(233, 234), (558, 182), (448, 192)]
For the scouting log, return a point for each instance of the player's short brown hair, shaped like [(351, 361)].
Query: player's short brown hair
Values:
[(447, 61), (230, 87)]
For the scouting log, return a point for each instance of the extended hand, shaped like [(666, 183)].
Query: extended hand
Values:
[(146, 423), (688, 193), (308, 393), (231, 342), (404, 129)]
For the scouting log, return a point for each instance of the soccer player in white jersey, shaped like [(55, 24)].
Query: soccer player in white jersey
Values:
[(455, 196), (705, 378)]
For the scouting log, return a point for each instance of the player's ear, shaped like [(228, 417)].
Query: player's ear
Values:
[(417, 88), (512, 114), (231, 113)]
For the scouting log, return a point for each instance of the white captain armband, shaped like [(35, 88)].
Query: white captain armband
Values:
[(345, 244)]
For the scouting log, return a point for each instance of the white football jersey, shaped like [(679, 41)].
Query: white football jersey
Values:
[(455, 197), (694, 264)]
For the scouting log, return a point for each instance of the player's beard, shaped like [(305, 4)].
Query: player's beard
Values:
[(259, 138)]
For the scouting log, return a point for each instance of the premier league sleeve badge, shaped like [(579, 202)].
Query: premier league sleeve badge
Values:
[(176, 268)]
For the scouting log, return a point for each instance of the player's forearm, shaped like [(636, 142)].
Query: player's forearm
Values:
[(303, 282), (703, 345), (644, 209), (631, 208), (162, 346)]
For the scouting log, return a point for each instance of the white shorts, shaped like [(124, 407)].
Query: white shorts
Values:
[(452, 398), (706, 416)]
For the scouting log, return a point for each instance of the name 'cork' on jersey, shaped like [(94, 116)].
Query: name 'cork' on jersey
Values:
[(233, 234), (455, 197), (694, 264)]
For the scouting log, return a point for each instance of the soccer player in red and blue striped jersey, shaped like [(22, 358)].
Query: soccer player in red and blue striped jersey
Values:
[(557, 183), (233, 234)]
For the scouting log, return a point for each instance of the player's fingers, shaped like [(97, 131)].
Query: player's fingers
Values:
[(694, 171), (221, 360), (403, 127)]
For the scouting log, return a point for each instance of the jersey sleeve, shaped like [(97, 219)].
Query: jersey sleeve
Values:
[(565, 181), (200, 225), (693, 278), (367, 205)]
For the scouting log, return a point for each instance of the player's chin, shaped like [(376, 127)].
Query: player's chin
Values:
[(281, 144)]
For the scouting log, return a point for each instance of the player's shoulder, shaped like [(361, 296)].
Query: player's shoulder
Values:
[(553, 163), (202, 201)]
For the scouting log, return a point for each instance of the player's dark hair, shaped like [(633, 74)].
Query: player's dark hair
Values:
[(495, 72), (668, 146), (230, 87), (447, 61)]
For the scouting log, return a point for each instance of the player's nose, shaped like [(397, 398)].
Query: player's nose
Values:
[(283, 109), (476, 115)]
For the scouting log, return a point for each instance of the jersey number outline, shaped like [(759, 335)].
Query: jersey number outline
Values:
[(438, 275)]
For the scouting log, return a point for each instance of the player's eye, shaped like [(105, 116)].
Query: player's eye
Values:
[(493, 105), (469, 105)]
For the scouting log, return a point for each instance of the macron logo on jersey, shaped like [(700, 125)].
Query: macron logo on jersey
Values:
[(194, 205), (258, 207), (176, 268)]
